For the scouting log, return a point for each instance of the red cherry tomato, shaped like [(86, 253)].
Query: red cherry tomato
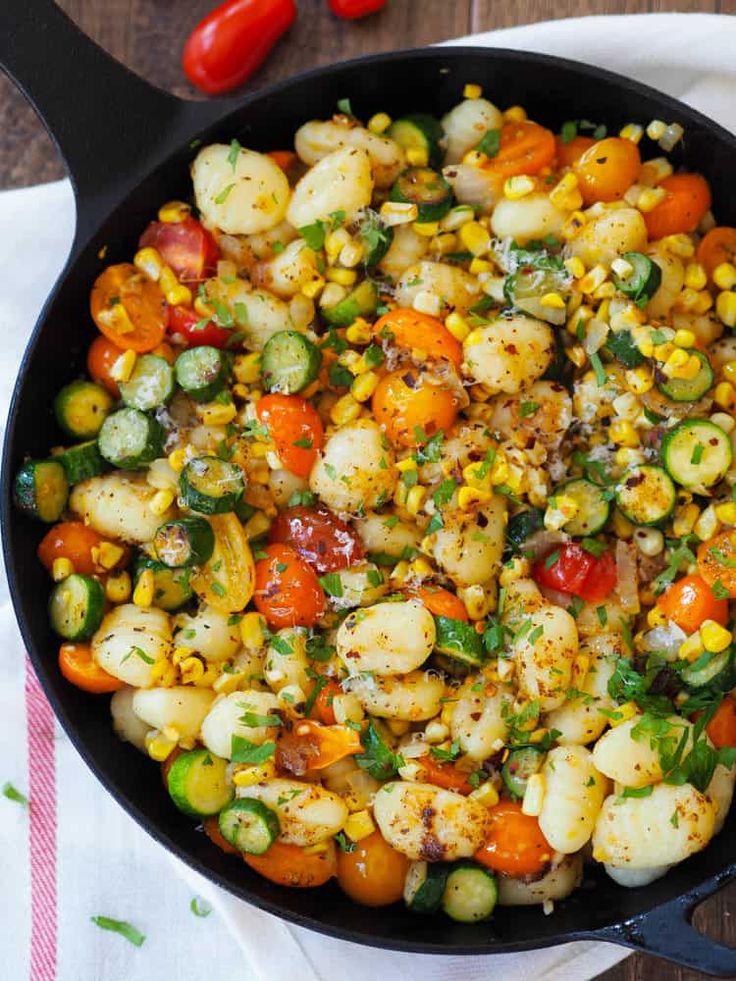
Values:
[(287, 592), (352, 9), (296, 429), (321, 538), (576, 571), (233, 40), (186, 246), (182, 326)]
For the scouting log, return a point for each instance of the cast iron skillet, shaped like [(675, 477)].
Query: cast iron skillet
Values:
[(127, 147)]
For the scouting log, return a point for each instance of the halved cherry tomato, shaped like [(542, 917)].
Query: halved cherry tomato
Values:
[(717, 561), (291, 865), (183, 327), (313, 746), (101, 356), (441, 602), (295, 428), (718, 246), (722, 727), (212, 830), (322, 708), (352, 9), (77, 665), (569, 153), (443, 775), (578, 572), (284, 158), (410, 408), (287, 591), (412, 330), (319, 536), (515, 845), (128, 308), (607, 169), (688, 199), (690, 601), (525, 148), (186, 246), (71, 540), (373, 873)]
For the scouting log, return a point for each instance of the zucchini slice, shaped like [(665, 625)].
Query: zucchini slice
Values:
[(171, 589), (622, 347), (521, 764), (360, 302), (210, 485), (458, 639), (82, 461), (183, 542), (593, 508), (289, 362), (41, 489), (427, 189), (130, 439), (716, 671), (643, 282), (646, 495), (202, 372), (197, 783), (76, 607), (81, 408), (421, 133), (696, 453), (424, 886), (522, 525), (525, 288), (471, 892), (375, 238), (249, 825), (688, 389), (150, 385)]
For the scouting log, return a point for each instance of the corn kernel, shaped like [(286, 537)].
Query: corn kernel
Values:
[(474, 158), (639, 380), (379, 123), (359, 825), (351, 254), (335, 242), (408, 463), (622, 268), (257, 525), (691, 649), (254, 773), (109, 554), (628, 456), (726, 308), (173, 212), (457, 326), (61, 569), (415, 499), (426, 228), (345, 410), (158, 747), (632, 132), (426, 301), (486, 794), (654, 171), (202, 308), (622, 433), (696, 277), (347, 708), (149, 262), (178, 459), (475, 238), (364, 386), (715, 637), (469, 497), (676, 359), (724, 276), (143, 592), (594, 279), (343, 277), (575, 266), (252, 631), (707, 524), (472, 91), (553, 301), (560, 510), (216, 413), (457, 217), (650, 197), (398, 213), (161, 502), (649, 541), (478, 266), (514, 114), (181, 653), (573, 225), (625, 712), (518, 187), (122, 367), (516, 568), (417, 156), (724, 420), (191, 670), (313, 288), (622, 527), (656, 617), (684, 520), (565, 194), (359, 332), (533, 795), (725, 394), (118, 587), (656, 129)]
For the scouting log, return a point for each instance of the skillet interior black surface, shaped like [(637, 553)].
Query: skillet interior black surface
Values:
[(114, 205)]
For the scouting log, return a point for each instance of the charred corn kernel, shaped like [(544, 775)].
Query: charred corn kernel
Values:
[(474, 158), (687, 299), (109, 554), (345, 410), (689, 370), (457, 326), (122, 367), (622, 268), (472, 91), (469, 497), (684, 520), (726, 513), (580, 668), (575, 266), (143, 592), (247, 368), (560, 510), (257, 524), (478, 266), (715, 638), (178, 459), (726, 308), (561, 192), (475, 238), (351, 360), (118, 587), (679, 244), (622, 527), (553, 301), (427, 302), (622, 433), (650, 197), (663, 351), (400, 572), (477, 474), (725, 394), (421, 567), (696, 277), (252, 631), (677, 359), (656, 617), (173, 212), (398, 213), (161, 502), (149, 262), (158, 747), (649, 541), (255, 773), (692, 648), (417, 156), (500, 470), (314, 287), (604, 292), (629, 456), (364, 386), (573, 225), (515, 114), (593, 279), (427, 229), (415, 499), (61, 569), (379, 123), (633, 132), (533, 795), (639, 380), (724, 276), (216, 413), (517, 187), (343, 277), (408, 463), (180, 654), (654, 171), (486, 794), (359, 332), (707, 524), (684, 338), (191, 670), (477, 601), (516, 568)]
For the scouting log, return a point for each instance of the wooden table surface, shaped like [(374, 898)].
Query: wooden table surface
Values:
[(148, 37)]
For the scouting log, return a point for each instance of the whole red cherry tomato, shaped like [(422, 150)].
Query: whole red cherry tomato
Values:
[(321, 538), (233, 40), (576, 571), (287, 591), (186, 246), (352, 9), (182, 325)]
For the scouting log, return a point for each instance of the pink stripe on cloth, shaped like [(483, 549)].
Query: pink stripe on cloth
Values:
[(42, 844)]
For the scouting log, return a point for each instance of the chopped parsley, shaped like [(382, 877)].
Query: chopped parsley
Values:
[(127, 930), (16, 796), (244, 751)]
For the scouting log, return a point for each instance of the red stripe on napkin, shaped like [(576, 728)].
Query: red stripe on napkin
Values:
[(42, 845)]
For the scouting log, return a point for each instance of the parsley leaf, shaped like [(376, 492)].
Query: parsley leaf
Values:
[(378, 759), (332, 584), (244, 751), (232, 157), (313, 235), (16, 796), (126, 930), (490, 142)]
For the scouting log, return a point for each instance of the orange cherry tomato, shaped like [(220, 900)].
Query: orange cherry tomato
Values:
[(77, 665), (525, 148), (291, 865), (410, 408), (722, 727), (129, 308), (569, 153), (186, 246), (212, 828), (71, 540), (515, 845), (295, 428), (441, 602), (718, 246), (409, 329), (101, 356), (310, 745), (287, 591), (374, 873), (286, 159), (607, 169), (444, 775), (714, 558), (690, 601), (688, 198), (322, 709)]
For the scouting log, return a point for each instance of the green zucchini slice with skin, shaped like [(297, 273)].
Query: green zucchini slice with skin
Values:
[(521, 764), (171, 589), (427, 189), (150, 385), (696, 453), (210, 485), (458, 639), (375, 237), (202, 372), (41, 489), (646, 495), (289, 362), (623, 348), (525, 288), (471, 892), (248, 825), (197, 783), (643, 282), (424, 886), (81, 408), (184, 542), (82, 461), (419, 131), (593, 508), (684, 389), (76, 607), (522, 525), (130, 439), (716, 671), (360, 302)]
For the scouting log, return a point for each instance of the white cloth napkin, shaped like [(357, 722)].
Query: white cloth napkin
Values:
[(75, 853)]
